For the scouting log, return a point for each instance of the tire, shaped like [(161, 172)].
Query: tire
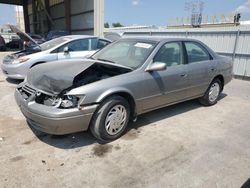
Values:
[(113, 110), (210, 99), (3, 48)]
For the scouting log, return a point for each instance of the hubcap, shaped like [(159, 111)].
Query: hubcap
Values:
[(116, 119), (214, 92)]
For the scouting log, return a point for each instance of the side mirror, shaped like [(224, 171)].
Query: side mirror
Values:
[(66, 50), (156, 66)]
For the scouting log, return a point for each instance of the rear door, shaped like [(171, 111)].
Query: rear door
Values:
[(76, 49), (168, 86), (201, 68)]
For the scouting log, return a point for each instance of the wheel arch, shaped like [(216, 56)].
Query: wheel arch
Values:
[(37, 63), (221, 78), (122, 93)]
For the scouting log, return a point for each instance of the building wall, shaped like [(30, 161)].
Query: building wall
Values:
[(76, 16)]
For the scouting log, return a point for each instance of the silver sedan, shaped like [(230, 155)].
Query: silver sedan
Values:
[(127, 78), (17, 65)]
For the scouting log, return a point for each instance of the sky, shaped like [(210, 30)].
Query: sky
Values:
[(151, 12), (7, 14), (158, 12)]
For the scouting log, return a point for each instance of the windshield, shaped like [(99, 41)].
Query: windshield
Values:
[(129, 53), (53, 43)]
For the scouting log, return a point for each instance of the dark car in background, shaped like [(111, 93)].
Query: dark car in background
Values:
[(2, 44), (26, 44), (56, 33), (15, 43)]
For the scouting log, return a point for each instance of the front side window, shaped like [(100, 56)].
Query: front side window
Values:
[(75, 46), (53, 43), (196, 52), (129, 53), (170, 53)]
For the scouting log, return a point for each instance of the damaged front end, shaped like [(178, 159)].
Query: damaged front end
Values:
[(60, 101), (53, 83), (57, 101)]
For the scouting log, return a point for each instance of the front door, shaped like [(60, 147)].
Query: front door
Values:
[(170, 85), (75, 49)]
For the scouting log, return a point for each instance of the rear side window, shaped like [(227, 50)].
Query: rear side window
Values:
[(196, 52)]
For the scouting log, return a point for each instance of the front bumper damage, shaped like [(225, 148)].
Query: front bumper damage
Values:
[(50, 119)]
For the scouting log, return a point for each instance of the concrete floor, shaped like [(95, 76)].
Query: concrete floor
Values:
[(185, 145)]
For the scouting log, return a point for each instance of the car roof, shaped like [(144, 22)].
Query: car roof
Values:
[(157, 39), (73, 37)]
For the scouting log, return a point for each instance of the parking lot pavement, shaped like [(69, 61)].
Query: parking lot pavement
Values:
[(184, 145)]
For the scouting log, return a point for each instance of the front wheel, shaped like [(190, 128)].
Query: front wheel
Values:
[(212, 94), (111, 119)]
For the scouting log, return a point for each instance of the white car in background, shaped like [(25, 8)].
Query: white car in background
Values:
[(17, 65)]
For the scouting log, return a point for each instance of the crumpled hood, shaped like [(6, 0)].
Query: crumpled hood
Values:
[(53, 77)]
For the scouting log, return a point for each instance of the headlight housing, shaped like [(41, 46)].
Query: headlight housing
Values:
[(20, 60), (71, 101)]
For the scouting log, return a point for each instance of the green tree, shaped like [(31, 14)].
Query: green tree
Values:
[(106, 25), (118, 24)]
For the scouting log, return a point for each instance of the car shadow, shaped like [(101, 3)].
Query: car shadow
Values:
[(81, 139), (13, 81), (68, 141), (246, 184)]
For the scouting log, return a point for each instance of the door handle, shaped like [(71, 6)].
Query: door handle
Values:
[(183, 75)]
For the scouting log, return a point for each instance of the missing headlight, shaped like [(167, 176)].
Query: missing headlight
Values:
[(69, 101), (47, 100), (65, 101)]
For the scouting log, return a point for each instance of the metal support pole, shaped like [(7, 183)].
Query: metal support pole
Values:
[(47, 9), (26, 17), (98, 17), (34, 22), (67, 14), (235, 44)]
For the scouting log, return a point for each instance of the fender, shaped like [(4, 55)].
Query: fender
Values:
[(112, 91)]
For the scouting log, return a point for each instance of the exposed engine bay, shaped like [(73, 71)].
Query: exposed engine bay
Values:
[(97, 72), (93, 73)]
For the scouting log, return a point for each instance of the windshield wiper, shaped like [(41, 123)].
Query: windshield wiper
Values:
[(117, 64), (106, 60)]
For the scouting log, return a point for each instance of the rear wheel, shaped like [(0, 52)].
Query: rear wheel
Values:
[(212, 94), (111, 119)]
